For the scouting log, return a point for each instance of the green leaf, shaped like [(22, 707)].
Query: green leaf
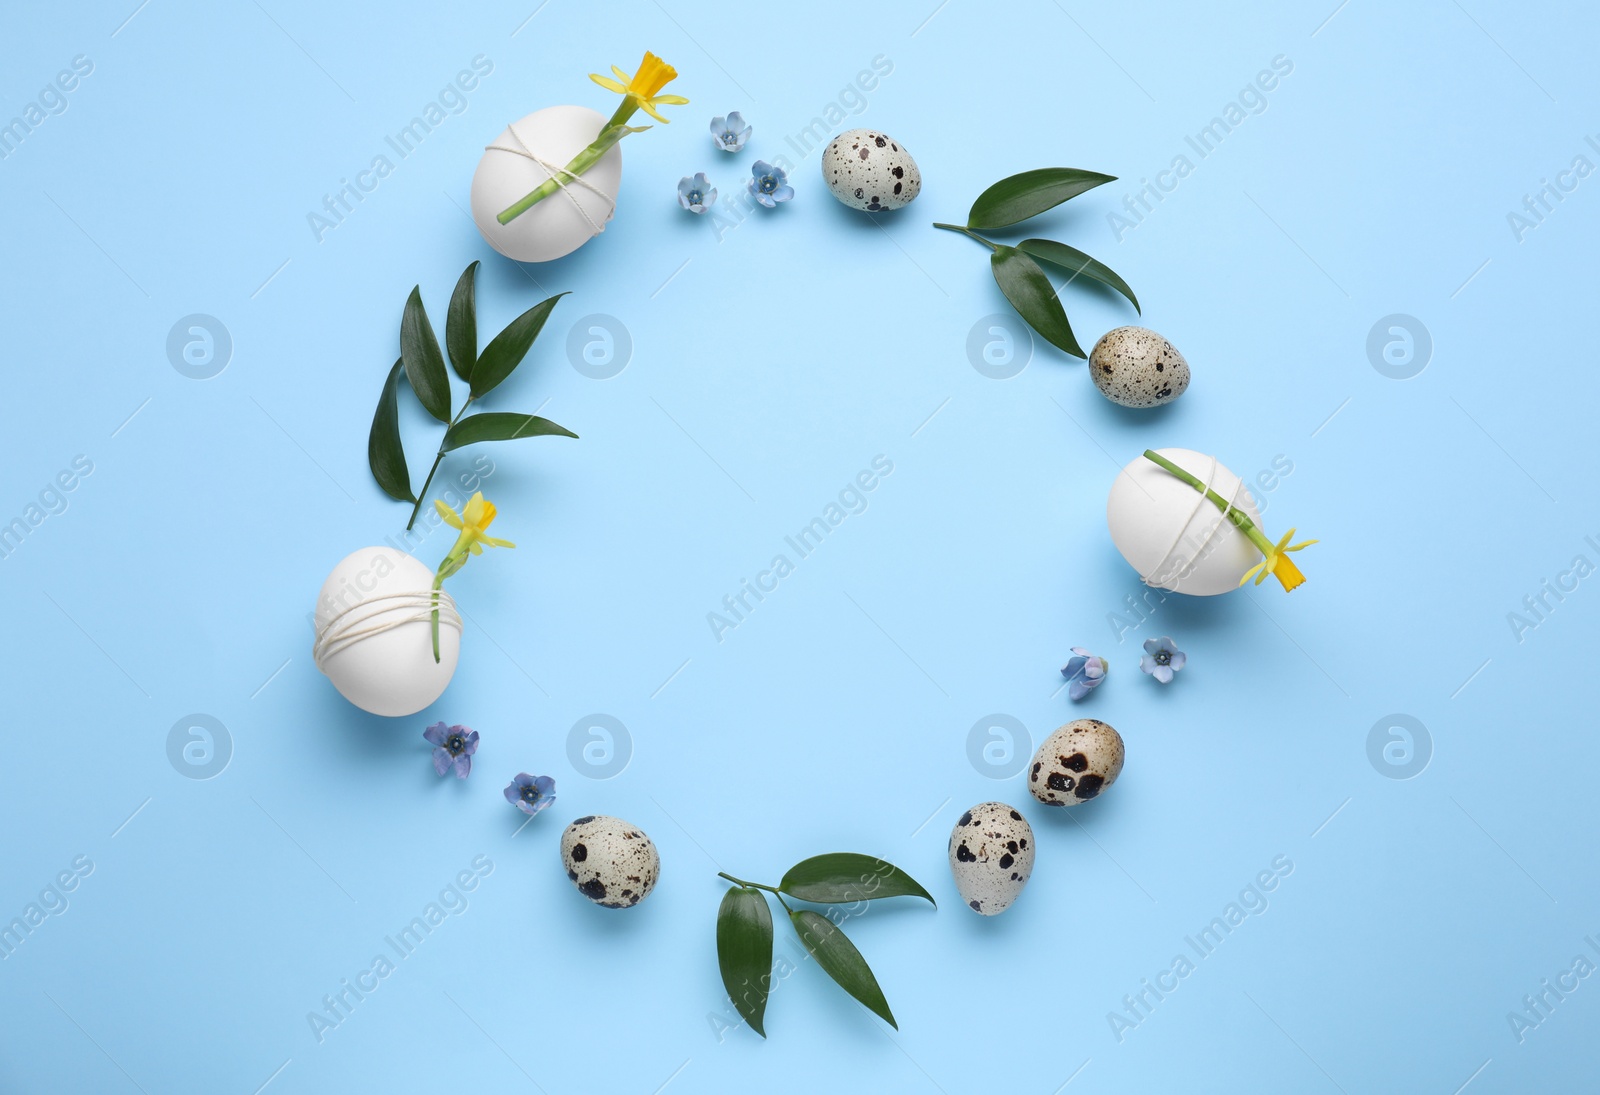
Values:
[(385, 454), (461, 324), (1027, 195), (419, 349), (499, 426), (1079, 265), (1034, 298), (744, 952), (838, 956), (849, 876), (509, 347)]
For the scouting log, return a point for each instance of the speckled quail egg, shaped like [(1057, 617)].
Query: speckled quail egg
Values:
[(1136, 367), (869, 170), (991, 857), (611, 862), (1076, 762)]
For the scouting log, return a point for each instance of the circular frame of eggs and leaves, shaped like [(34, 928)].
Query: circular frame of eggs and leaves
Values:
[(992, 847)]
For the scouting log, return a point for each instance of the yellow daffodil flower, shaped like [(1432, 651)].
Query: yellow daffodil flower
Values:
[(1277, 563), (473, 523), (645, 85)]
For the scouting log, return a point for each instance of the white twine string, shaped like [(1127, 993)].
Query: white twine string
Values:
[(559, 175), (1200, 500), (389, 611)]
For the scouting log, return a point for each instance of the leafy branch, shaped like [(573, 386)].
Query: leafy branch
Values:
[(1016, 267), (744, 928), (422, 365)]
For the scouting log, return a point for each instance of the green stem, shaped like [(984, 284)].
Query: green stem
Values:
[(438, 457), (438, 580), (967, 232), (757, 886), (613, 131), (1230, 511), (746, 885)]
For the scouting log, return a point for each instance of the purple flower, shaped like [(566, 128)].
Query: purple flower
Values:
[(1085, 671), (1162, 659), (453, 746), (530, 794)]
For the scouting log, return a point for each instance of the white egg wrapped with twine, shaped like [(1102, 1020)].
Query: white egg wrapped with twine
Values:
[(1174, 536), (375, 632), (529, 153)]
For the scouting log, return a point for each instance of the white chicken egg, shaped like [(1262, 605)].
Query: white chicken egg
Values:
[(1173, 535), (991, 857), (870, 170), (374, 638), (509, 171)]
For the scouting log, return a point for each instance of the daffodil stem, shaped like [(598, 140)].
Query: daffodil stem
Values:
[(437, 459), (967, 232), (438, 581), (613, 131), (1233, 513), (451, 563)]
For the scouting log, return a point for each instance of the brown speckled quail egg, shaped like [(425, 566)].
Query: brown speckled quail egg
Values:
[(869, 170), (611, 862), (991, 857), (1136, 367), (1077, 762)]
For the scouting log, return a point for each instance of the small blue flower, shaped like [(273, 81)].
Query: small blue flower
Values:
[(695, 192), (1085, 671), (1162, 659), (530, 794), (769, 185), (453, 747), (730, 133)]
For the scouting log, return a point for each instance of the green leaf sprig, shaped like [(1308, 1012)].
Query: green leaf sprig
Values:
[(422, 365), (744, 928), (1016, 266)]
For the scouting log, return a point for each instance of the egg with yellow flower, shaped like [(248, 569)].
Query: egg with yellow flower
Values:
[(529, 152), (388, 635), (1201, 553), (548, 184), (1172, 535), (375, 636)]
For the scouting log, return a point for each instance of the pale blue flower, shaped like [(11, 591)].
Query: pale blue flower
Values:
[(1162, 659), (1085, 671), (769, 185), (695, 192), (730, 133), (530, 794), (453, 747)]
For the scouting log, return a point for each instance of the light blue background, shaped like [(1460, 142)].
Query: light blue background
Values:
[(769, 366)]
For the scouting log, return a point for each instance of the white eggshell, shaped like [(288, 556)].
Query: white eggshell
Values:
[(869, 170), (611, 862), (1172, 535), (1135, 367), (1076, 763), (392, 672), (991, 857), (555, 226)]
